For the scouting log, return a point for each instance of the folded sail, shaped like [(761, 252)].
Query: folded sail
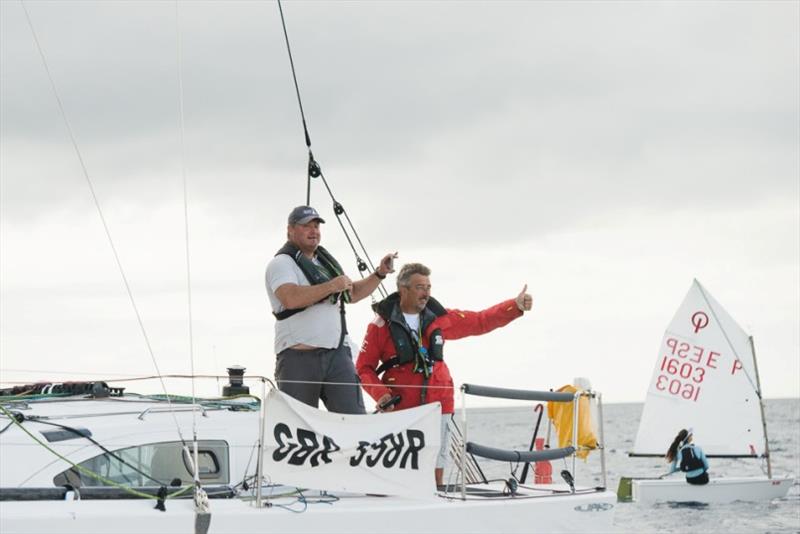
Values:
[(704, 379), (560, 413)]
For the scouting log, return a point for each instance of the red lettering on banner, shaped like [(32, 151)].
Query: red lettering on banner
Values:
[(672, 343), (736, 366), (678, 376), (684, 367), (699, 374), (677, 387)]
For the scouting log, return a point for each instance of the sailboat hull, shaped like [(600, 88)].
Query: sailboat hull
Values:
[(589, 512), (721, 490), (29, 470)]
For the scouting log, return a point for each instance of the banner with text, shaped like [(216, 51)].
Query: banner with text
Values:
[(390, 453)]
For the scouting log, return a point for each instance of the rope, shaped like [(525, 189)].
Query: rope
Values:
[(98, 444), (394, 385), (315, 171), (179, 398), (96, 202), (121, 377), (186, 235), (313, 168)]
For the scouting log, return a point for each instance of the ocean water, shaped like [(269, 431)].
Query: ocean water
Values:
[(512, 428)]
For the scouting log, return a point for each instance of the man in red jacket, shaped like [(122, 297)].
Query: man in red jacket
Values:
[(402, 354)]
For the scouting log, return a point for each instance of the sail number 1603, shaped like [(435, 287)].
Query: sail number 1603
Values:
[(678, 383)]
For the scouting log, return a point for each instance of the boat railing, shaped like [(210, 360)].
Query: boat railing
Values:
[(173, 409), (472, 470), (510, 455), (516, 394)]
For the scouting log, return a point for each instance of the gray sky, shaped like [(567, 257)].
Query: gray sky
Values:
[(603, 153)]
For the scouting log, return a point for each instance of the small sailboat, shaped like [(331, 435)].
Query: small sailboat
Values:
[(705, 378)]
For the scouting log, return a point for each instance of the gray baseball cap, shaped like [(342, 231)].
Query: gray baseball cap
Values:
[(304, 215)]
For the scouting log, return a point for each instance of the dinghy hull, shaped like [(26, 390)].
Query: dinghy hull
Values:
[(720, 490)]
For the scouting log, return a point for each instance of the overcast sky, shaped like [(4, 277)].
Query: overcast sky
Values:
[(603, 153)]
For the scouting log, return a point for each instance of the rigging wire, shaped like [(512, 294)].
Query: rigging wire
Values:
[(755, 387), (315, 171), (99, 445), (182, 124), (97, 205), (313, 167)]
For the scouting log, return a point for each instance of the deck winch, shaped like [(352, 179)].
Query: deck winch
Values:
[(236, 385)]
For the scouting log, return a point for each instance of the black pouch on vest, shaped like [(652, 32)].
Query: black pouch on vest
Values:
[(436, 345)]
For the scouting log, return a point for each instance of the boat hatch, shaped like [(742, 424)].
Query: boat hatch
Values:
[(63, 435), (152, 464)]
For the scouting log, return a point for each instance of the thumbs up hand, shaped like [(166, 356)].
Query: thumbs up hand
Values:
[(524, 300)]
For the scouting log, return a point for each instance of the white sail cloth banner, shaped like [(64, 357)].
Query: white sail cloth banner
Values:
[(391, 453), (704, 379)]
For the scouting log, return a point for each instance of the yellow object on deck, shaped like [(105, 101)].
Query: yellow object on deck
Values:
[(560, 413)]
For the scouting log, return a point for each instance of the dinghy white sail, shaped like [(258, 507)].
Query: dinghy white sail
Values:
[(705, 378)]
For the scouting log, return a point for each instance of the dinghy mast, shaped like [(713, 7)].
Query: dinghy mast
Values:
[(761, 405)]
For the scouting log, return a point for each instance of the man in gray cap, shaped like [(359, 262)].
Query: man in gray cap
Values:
[(308, 290)]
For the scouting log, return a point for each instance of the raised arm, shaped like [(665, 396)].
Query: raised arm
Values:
[(364, 288), (462, 323)]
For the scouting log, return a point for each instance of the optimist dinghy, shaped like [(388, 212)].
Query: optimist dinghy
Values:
[(705, 378)]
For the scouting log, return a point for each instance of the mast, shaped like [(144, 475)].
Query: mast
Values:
[(761, 405)]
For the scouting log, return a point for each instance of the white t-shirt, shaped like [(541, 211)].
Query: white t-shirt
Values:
[(412, 320), (319, 325)]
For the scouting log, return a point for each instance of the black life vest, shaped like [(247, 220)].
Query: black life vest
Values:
[(407, 348), (314, 274), (689, 459)]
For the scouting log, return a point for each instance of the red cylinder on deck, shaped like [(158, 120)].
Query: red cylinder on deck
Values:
[(542, 471)]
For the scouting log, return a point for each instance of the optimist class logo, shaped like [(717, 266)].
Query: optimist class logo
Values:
[(699, 321)]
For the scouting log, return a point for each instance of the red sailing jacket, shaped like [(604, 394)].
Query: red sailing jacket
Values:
[(378, 348)]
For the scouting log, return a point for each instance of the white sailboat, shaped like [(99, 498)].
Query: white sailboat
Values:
[(97, 460), (705, 378), (84, 457)]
